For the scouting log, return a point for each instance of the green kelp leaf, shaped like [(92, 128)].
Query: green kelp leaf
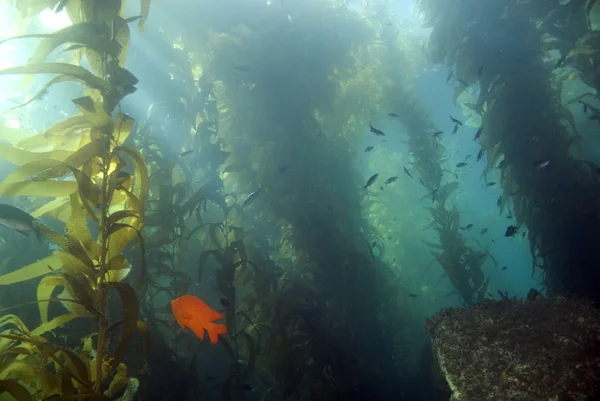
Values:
[(129, 302), (71, 70), (251, 355), (145, 11), (18, 391)]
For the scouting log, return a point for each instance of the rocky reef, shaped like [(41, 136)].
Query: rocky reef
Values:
[(535, 349)]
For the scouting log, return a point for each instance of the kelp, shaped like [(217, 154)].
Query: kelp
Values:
[(523, 109), (89, 154)]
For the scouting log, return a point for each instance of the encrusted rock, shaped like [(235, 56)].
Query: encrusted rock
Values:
[(534, 350)]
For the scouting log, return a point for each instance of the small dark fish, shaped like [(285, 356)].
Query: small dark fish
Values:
[(422, 183), (371, 180), (468, 226), (248, 388), (485, 230), (480, 154), (437, 133), (467, 157), (407, 172), (493, 240), (187, 152), (480, 70), (375, 130), (391, 179), (368, 148), (585, 108), (449, 76), (478, 134), (455, 121), (392, 114), (499, 202), (462, 164), (241, 68), (560, 61), (455, 129), (381, 188), (462, 81), (224, 302), (491, 184), (412, 294), (504, 267), (510, 231), (524, 234), (541, 164), (250, 198), (283, 169)]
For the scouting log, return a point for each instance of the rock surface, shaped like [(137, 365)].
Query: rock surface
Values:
[(540, 349)]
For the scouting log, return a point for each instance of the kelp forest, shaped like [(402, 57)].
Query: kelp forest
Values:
[(296, 200)]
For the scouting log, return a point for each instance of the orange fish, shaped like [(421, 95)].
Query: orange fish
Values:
[(193, 313)]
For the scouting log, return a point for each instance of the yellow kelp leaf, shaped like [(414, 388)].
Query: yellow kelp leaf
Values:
[(71, 264), (20, 156), (70, 245), (104, 11), (45, 289), (39, 188), (74, 161), (18, 391), (115, 276), (55, 133), (15, 369), (14, 135), (73, 9), (53, 324), (95, 114), (119, 381), (145, 11), (76, 226), (59, 208), (74, 308), (141, 175), (37, 269), (61, 68), (91, 35), (35, 168), (14, 320), (80, 289), (122, 36)]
